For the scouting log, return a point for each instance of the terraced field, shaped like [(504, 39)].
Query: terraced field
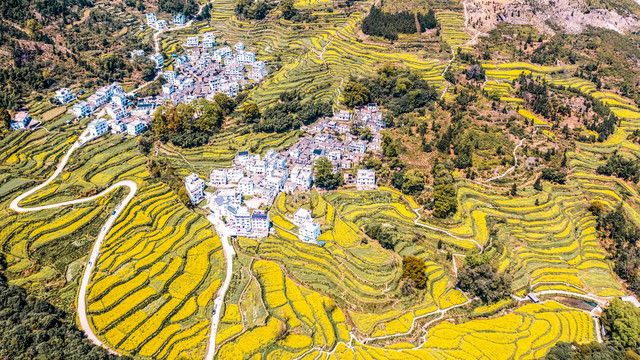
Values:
[(315, 61), (160, 265)]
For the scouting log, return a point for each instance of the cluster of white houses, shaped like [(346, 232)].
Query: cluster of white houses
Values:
[(203, 72), (179, 20), (263, 178)]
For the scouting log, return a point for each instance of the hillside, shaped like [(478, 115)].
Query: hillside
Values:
[(321, 179)]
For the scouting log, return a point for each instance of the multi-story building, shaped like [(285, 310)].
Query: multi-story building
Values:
[(246, 57), (259, 222), (234, 175), (161, 24), (208, 41), (302, 176), (193, 41), (343, 115), (195, 188), (116, 112), (302, 216), (63, 96), (116, 126), (239, 46), (179, 19), (247, 187), (222, 53), (229, 196), (366, 179), (136, 127), (358, 146), (98, 127), (151, 19), (218, 177), (158, 59), (309, 232), (82, 109), (20, 121), (243, 221), (170, 76)]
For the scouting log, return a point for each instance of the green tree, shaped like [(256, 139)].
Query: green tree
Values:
[(413, 182), (537, 185), (355, 94), (414, 269), (622, 322), (288, 9), (251, 112), (445, 202), (5, 119), (225, 102), (33, 28), (211, 118), (325, 177)]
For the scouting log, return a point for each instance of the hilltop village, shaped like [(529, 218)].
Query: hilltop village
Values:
[(202, 72), (254, 182)]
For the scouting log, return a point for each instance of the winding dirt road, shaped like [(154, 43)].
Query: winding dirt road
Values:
[(95, 252)]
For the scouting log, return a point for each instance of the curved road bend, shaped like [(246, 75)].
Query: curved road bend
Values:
[(95, 252)]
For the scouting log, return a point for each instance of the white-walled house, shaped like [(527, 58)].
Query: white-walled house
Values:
[(234, 175), (218, 177), (151, 19), (136, 127), (247, 187), (179, 19), (243, 221), (309, 232), (193, 41), (195, 188), (260, 222), (302, 216), (239, 46), (158, 59), (20, 121), (98, 127), (82, 109), (366, 179), (63, 96)]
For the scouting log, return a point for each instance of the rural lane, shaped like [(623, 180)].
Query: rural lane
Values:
[(223, 232), (95, 252)]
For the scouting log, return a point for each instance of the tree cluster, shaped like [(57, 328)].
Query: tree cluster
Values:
[(622, 322), (590, 351), (554, 175), (325, 177), (537, 96), (385, 235), (445, 200), (186, 7), (189, 125), (162, 171), (621, 167), (623, 236), (32, 328), (415, 269), (389, 25), (290, 113), (479, 278), (252, 10), (399, 90)]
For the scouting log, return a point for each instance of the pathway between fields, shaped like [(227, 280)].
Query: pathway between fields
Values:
[(95, 252), (453, 48), (515, 163), (223, 232)]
